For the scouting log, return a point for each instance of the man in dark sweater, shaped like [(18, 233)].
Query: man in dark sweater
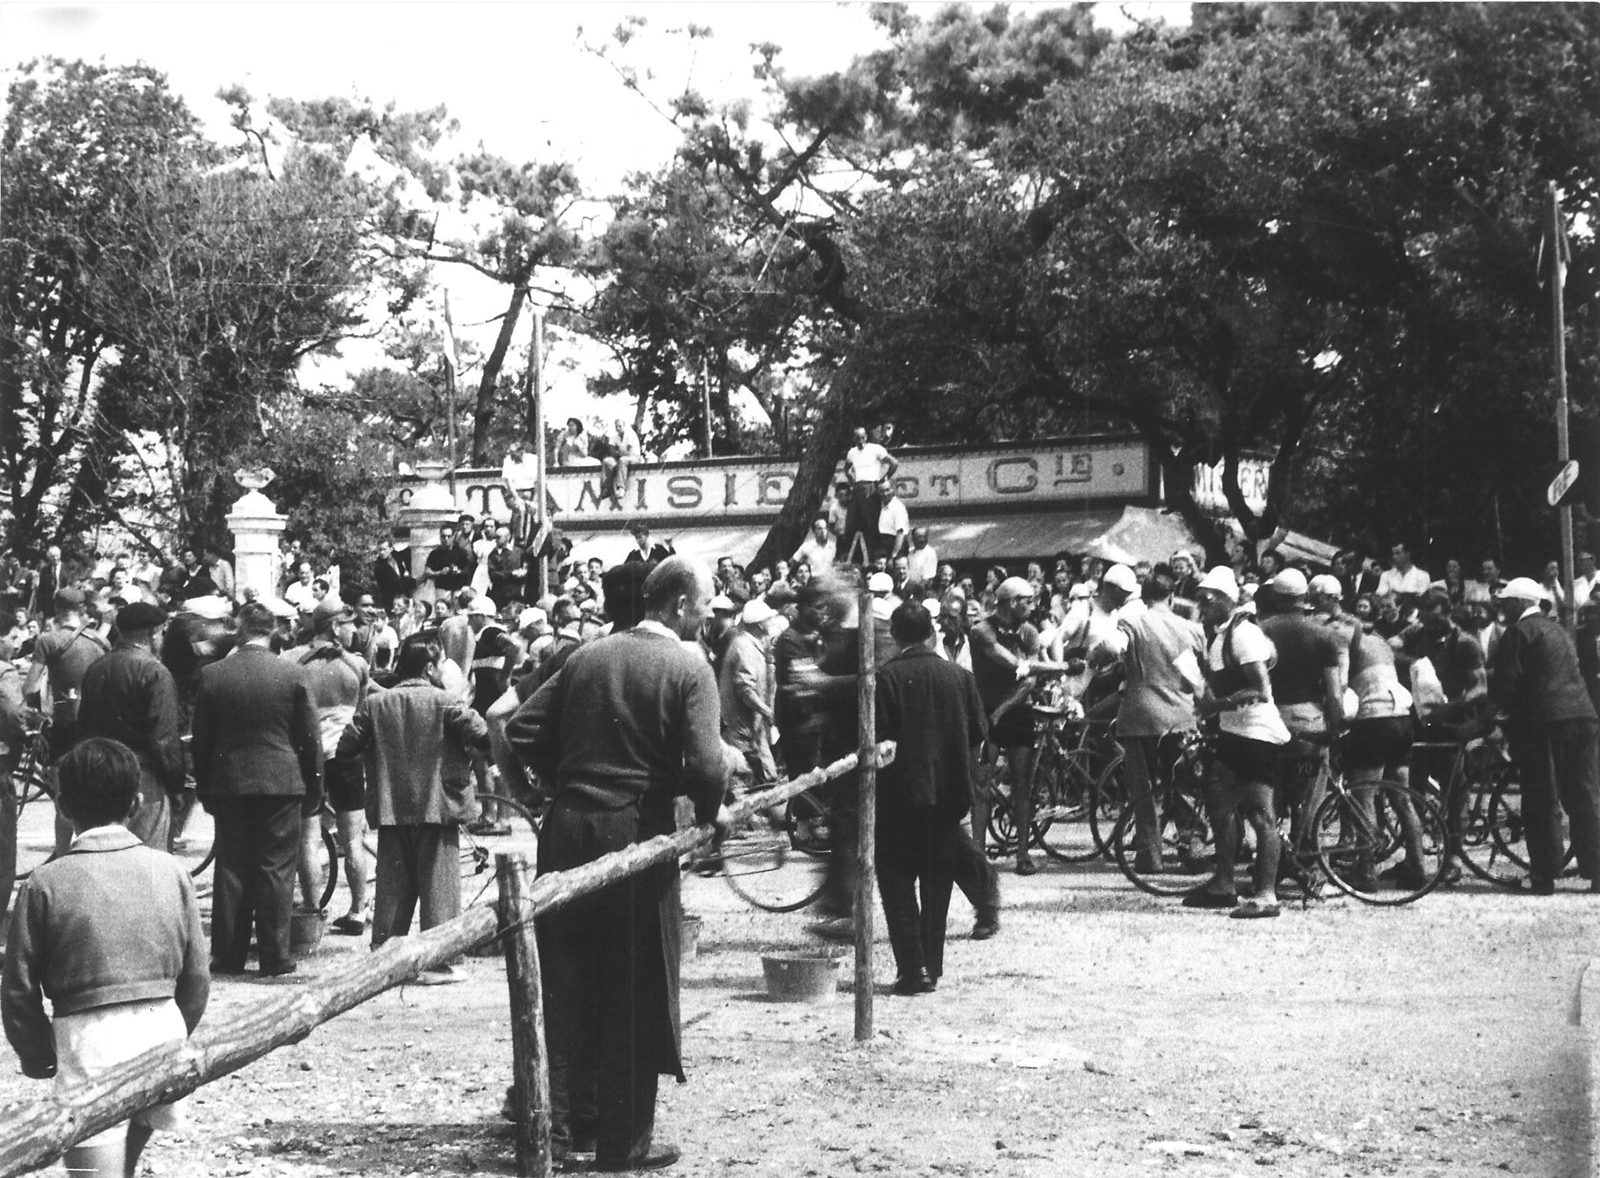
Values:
[(1553, 734), (628, 724), (930, 707), (130, 696)]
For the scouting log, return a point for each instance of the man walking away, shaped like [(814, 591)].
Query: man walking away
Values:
[(931, 708)]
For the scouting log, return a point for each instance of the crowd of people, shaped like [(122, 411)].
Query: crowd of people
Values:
[(396, 693)]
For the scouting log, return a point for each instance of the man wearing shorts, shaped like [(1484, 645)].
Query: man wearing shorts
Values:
[(1250, 740)]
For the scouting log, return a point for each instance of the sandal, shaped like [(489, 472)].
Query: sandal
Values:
[(1255, 910)]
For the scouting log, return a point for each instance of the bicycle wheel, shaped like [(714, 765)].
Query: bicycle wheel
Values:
[(515, 832), (1180, 856), (1372, 855), (1064, 803), (36, 818), (1110, 797), (779, 863), (1490, 841), (1002, 821)]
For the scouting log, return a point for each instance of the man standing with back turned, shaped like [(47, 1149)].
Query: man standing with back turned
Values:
[(628, 724)]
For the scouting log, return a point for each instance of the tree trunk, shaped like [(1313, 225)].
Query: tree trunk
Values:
[(483, 406), (813, 478)]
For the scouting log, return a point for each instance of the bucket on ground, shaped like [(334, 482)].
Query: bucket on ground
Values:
[(802, 976)]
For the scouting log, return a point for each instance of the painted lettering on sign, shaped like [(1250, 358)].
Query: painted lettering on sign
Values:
[(943, 482), (1013, 476), (773, 488), (683, 492)]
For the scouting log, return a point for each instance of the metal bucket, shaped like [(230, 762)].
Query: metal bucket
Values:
[(802, 976)]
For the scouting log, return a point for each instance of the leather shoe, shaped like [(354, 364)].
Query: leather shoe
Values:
[(1206, 898), (911, 984), (657, 1157), (1026, 865), (1534, 886), (985, 927), (283, 969)]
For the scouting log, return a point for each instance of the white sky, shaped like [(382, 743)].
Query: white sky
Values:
[(514, 74)]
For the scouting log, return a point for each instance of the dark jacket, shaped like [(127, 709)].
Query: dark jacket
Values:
[(930, 708), (392, 575), (255, 731), (1534, 675), (129, 696)]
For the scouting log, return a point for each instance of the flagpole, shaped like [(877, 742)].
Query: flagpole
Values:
[(1555, 236), (452, 361)]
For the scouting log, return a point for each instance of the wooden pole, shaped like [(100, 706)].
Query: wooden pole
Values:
[(1554, 234), (867, 773), (530, 1064), (536, 427), (705, 397)]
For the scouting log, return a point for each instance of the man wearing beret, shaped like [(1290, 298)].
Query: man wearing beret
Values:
[(128, 695)]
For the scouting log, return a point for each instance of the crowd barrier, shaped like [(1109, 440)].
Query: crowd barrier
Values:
[(35, 1133)]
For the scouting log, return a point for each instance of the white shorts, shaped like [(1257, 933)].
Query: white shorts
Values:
[(93, 1041)]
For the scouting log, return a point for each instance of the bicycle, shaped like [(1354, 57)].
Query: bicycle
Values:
[(31, 784), (779, 861), (1360, 849)]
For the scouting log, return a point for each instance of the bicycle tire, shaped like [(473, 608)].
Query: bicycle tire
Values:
[(1497, 859), (1002, 822), (1111, 797), (1187, 848), (198, 867), (35, 846), (1065, 799), (778, 864), (1355, 852), (518, 834)]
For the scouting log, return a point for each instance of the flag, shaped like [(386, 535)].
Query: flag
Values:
[(452, 354), (1554, 253)]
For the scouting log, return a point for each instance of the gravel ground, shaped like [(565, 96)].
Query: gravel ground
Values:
[(1102, 1033)]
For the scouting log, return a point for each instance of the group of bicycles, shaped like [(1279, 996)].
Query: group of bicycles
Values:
[(1467, 816)]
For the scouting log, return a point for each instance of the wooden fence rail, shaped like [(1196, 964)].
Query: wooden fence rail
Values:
[(36, 1132)]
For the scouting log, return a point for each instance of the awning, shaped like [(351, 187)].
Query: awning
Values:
[(1041, 534), (1143, 533), (705, 544)]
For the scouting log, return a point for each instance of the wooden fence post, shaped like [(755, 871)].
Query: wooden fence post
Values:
[(867, 768), (530, 1065)]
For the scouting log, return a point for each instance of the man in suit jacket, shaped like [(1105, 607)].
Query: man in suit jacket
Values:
[(257, 768), (629, 724), (931, 708), (1553, 733), (391, 572)]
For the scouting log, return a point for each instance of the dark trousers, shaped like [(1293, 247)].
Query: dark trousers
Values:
[(975, 875), (258, 848), (866, 504), (416, 864), (610, 967), (918, 850), (1557, 764), (843, 795)]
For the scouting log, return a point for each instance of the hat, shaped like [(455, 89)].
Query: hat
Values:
[(69, 598), (1326, 585), (212, 608), (1221, 580), (481, 606), (331, 606), (277, 606), (723, 604), (139, 616), (882, 608), (1080, 591), (1014, 587), (1289, 583), (756, 612), (880, 583), (1523, 589), (1120, 576), (782, 594), (532, 616)]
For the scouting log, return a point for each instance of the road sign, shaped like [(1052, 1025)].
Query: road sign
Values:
[(1562, 483)]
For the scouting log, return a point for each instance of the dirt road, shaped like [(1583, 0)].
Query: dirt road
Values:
[(1102, 1033)]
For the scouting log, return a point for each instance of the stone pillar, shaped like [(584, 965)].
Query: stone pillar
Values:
[(431, 506), (257, 526)]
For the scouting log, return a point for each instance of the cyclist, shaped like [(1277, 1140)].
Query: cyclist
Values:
[(1005, 650), (1308, 686), (1161, 676), (1251, 736)]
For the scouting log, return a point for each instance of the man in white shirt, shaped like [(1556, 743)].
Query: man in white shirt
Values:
[(894, 525), (1583, 582), (1403, 577), (923, 564), (817, 548), (866, 465)]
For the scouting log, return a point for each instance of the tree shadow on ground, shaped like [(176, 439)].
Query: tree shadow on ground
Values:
[(364, 1147)]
